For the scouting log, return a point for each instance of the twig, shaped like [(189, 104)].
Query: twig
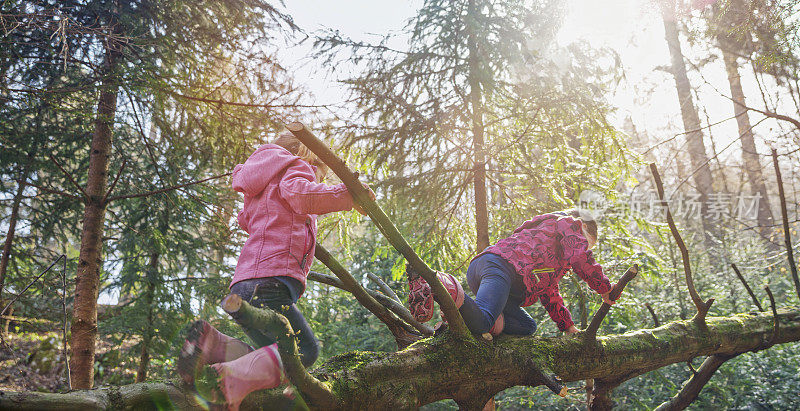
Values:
[(250, 317), (774, 314), (401, 331), (747, 287), (653, 314), (69, 177), (590, 334), (116, 179), (384, 287), (398, 309), (165, 189), (384, 224), (787, 236), (702, 308), (32, 282), (53, 191)]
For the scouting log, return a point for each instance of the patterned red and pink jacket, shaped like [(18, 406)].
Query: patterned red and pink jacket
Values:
[(542, 250)]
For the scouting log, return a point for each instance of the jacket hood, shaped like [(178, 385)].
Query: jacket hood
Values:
[(261, 167)]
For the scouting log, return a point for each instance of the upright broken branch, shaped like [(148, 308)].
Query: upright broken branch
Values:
[(747, 287), (776, 325), (381, 220), (656, 322), (250, 317), (590, 334), (702, 307), (787, 235), (402, 332)]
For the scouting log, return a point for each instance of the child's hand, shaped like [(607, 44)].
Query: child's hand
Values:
[(572, 329), (371, 196), (606, 299)]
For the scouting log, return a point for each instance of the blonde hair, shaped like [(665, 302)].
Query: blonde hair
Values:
[(288, 141)]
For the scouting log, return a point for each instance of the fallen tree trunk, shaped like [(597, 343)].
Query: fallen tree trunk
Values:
[(446, 367)]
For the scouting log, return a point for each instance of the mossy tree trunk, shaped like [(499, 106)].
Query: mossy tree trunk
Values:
[(474, 370)]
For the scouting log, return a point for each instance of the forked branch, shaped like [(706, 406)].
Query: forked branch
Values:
[(384, 224), (702, 307)]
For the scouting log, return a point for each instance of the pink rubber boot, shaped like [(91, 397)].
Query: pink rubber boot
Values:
[(453, 287), (206, 345), (420, 295), (258, 370)]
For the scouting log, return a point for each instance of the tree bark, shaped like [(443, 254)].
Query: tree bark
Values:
[(476, 105), (691, 120), (87, 278), (446, 367)]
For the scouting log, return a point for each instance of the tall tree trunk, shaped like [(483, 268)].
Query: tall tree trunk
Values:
[(750, 159), (479, 179), (691, 120), (144, 358), (87, 278), (12, 224)]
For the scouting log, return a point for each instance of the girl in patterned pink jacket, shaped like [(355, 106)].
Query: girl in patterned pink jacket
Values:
[(518, 271)]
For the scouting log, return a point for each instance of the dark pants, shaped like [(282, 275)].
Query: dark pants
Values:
[(274, 294), (498, 289)]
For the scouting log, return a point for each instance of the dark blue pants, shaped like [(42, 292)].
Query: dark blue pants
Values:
[(498, 289), (273, 293)]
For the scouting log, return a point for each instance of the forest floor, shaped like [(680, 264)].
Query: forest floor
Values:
[(33, 361)]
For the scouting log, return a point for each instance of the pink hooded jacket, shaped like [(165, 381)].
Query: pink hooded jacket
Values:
[(281, 204), (542, 250)]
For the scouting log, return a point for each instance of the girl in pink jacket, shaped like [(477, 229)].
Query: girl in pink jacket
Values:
[(518, 271), (282, 200)]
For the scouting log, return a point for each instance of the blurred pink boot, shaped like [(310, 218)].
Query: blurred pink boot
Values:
[(258, 370), (206, 345)]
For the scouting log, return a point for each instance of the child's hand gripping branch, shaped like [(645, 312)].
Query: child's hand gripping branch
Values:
[(371, 194), (606, 299)]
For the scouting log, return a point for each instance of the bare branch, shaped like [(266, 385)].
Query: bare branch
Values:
[(402, 332), (692, 388), (775, 328), (384, 224), (398, 309), (165, 189), (384, 287), (656, 323), (787, 236), (702, 307), (69, 177), (747, 287), (116, 179)]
